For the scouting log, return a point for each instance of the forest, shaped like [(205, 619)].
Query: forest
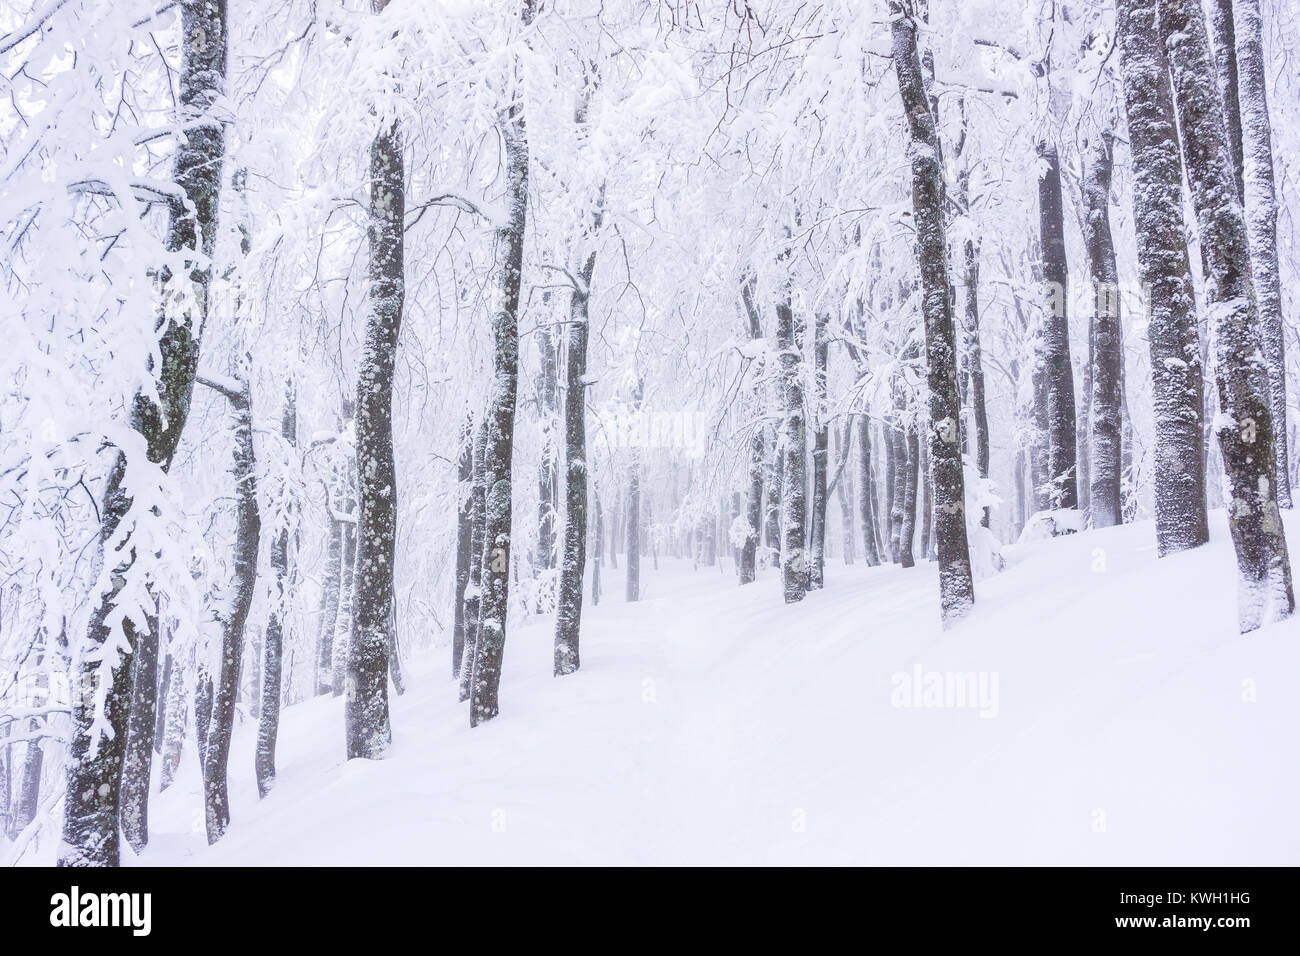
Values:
[(648, 430)]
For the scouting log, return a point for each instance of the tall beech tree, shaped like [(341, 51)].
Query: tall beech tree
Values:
[(99, 731), (820, 449), (234, 616), (1106, 355), (366, 693), (1058, 372), (500, 417), (956, 585), (268, 724), (1165, 272), (573, 560), (464, 537), (1260, 194), (747, 570), (792, 446)]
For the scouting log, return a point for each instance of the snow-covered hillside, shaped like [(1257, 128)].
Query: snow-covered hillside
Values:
[(1122, 720)]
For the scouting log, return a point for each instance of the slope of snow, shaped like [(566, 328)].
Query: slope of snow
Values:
[(714, 724)]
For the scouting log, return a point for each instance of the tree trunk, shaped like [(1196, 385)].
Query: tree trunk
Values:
[(633, 569), (474, 592), (329, 604), (368, 730), (772, 499), (347, 580), (27, 800), (202, 713), (847, 499), (753, 505), (792, 449), (1260, 197), (911, 476), (547, 471), (817, 562), (758, 474), (956, 588), (464, 535), (137, 764), (1055, 331), (1039, 455), (174, 732), (94, 775), (973, 367), (216, 799), (1245, 423), (888, 536), (268, 725), (867, 495), (898, 490), (164, 686), (568, 617), (1105, 412), (1225, 55), (484, 693), (926, 504)]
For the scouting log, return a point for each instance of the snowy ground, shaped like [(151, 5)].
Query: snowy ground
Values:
[(714, 724)]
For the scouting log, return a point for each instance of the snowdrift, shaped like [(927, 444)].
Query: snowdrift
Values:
[(1098, 708)]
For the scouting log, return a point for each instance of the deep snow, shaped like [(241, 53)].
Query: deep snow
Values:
[(713, 724)]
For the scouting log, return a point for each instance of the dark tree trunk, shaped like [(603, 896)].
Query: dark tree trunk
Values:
[(633, 569), (956, 587), (347, 580), (216, 799), (793, 450), (329, 604), (817, 558), (548, 489), (474, 592), (500, 419), (174, 732), (1260, 195), (1245, 423), (268, 725), (753, 506), (748, 558), (1039, 454), (898, 447), (137, 765), (464, 536), (867, 494), (911, 477), (568, 617), (164, 687), (1055, 331), (888, 537), (973, 367), (94, 775), (926, 505), (1104, 412), (1225, 55), (27, 799), (844, 454), (203, 693), (368, 730), (772, 499)]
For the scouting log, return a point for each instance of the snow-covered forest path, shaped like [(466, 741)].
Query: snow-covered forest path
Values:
[(1126, 721)]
